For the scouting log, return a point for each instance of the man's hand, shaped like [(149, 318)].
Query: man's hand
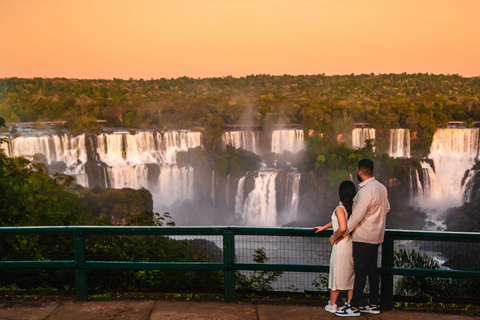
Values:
[(334, 241)]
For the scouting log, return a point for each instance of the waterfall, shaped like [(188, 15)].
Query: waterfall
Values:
[(453, 151), (176, 141), (241, 139), (239, 197), (360, 135), (416, 188), (134, 177), (399, 143), (260, 206), (291, 140), (54, 148), (292, 196), (468, 184), (174, 184), (126, 156)]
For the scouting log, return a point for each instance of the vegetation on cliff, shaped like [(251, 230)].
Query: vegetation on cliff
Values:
[(329, 105)]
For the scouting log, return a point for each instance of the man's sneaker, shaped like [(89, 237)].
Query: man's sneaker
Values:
[(348, 312), (331, 308), (370, 309)]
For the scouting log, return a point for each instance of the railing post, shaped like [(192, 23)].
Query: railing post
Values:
[(80, 274), (386, 272), (229, 260)]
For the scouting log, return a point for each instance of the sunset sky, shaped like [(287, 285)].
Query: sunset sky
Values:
[(216, 38)]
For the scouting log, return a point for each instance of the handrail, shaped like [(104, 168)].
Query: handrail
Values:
[(228, 266)]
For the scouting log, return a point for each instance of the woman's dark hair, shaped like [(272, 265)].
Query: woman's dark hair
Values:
[(347, 191)]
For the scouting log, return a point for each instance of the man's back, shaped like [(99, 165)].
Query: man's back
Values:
[(370, 208)]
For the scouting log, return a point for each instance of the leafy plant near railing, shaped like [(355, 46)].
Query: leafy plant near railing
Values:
[(420, 286), (116, 248), (259, 280)]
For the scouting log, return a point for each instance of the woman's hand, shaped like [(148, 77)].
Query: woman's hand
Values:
[(319, 228)]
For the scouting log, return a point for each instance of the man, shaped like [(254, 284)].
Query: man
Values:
[(367, 223)]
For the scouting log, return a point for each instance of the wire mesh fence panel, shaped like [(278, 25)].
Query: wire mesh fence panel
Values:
[(283, 249), (37, 279), (436, 255), (154, 248), (35, 247)]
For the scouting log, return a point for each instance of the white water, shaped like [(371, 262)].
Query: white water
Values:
[(453, 152), (292, 197), (360, 135), (126, 156), (399, 143), (134, 177), (260, 206), (174, 184), (291, 140), (467, 188), (241, 139)]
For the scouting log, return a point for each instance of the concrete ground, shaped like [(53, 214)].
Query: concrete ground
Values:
[(176, 310)]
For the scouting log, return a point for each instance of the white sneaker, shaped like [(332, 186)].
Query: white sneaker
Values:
[(331, 308), (348, 312), (370, 309)]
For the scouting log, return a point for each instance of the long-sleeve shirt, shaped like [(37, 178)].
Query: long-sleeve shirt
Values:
[(370, 207)]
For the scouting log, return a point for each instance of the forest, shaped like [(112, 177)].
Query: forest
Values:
[(328, 105)]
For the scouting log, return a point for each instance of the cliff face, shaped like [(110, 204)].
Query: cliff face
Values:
[(116, 204)]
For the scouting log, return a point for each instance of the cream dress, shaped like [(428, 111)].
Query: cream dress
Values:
[(340, 276)]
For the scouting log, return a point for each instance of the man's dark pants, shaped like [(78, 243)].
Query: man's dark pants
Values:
[(365, 264)]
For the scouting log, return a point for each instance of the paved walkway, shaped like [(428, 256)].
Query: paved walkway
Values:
[(168, 310)]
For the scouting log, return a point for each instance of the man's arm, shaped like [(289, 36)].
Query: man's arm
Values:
[(359, 212)]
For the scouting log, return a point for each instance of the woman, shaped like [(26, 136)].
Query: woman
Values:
[(341, 275)]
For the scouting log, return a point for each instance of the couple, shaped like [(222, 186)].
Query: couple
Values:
[(354, 257)]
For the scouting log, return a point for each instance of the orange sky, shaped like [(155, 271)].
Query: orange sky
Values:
[(210, 38)]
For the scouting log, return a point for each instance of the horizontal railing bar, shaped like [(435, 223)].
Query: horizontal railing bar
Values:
[(434, 235), (38, 264), (461, 274), (153, 265), (129, 230)]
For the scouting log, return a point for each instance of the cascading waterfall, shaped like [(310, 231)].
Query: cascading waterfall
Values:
[(127, 158), (134, 177), (240, 196), (260, 206), (416, 188), (399, 143), (54, 148), (291, 140), (292, 196), (360, 135), (453, 151), (65, 148), (174, 184), (241, 139), (467, 188)]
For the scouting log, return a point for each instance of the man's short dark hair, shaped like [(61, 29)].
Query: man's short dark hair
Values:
[(366, 166)]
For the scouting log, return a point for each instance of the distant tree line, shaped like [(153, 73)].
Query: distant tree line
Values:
[(329, 105)]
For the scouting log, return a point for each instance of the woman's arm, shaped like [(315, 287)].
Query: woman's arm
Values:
[(321, 228), (342, 225)]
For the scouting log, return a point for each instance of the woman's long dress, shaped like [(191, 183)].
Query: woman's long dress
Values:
[(341, 275)]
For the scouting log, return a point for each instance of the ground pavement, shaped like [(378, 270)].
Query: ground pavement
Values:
[(176, 310)]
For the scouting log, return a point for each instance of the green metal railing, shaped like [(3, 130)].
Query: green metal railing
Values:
[(229, 265)]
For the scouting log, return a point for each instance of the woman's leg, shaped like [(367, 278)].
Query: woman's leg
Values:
[(349, 296), (333, 296)]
